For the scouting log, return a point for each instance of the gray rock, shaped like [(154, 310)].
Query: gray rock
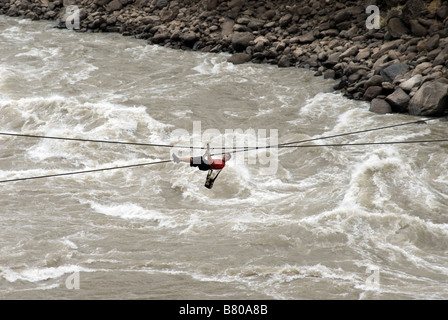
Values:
[(441, 58), (312, 61), (32, 15), (304, 10), (150, 20), (354, 77), (387, 47), (426, 22), (269, 15), (433, 54), (284, 62), (343, 26), (381, 63), (372, 92), (421, 67), (417, 29), (285, 20), (114, 6), (322, 56), (349, 52), (236, 3), (307, 37), (255, 24), (227, 27), (351, 33), (329, 74), (389, 73), (241, 40), (413, 9), (375, 80), (398, 100), (330, 33), (210, 4), (160, 36), (101, 2), (432, 42), (298, 52), (162, 4), (430, 100), (411, 83), (387, 86), (342, 16), (380, 106), (189, 38), (167, 15), (442, 12), (396, 27), (332, 60), (239, 58), (363, 54)]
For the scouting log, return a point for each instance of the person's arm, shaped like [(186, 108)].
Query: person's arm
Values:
[(208, 156)]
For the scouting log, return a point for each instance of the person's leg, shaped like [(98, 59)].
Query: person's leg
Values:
[(176, 159)]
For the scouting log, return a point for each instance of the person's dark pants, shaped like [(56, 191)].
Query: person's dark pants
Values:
[(199, 162)]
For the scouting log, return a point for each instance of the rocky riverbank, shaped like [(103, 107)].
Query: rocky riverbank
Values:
[(400, 66)]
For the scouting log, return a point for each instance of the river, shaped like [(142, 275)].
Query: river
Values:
[(352, 222)]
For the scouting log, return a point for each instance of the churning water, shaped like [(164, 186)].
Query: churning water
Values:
[(359, 222)]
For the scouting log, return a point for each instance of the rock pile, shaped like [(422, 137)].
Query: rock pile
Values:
[(400, 67)]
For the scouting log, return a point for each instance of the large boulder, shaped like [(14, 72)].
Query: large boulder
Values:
[(380, 106), (417, 29), (162, 4), (442, 12), (375, 80), (285, 20), (430, 100), (114, 6), (307, 37), (385, 48), (421, 68), (235, 7), (227, 27), (332, 60), (411, 83), (413, 9), (239, 58), (210, 4), (389, 73), (236, 3), (372, 92), (101, 2), (241, 40), (398, 100), (341, 16), (396, 27), (432, 42), (441, 58), (189, 38), (160, 36)]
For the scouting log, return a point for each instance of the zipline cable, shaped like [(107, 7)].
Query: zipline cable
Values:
[(166, 161), (196, 147), (359, 131), (338, 145), (239, 149), (365, 143), (283, 145), (96, 141), (85, 171)]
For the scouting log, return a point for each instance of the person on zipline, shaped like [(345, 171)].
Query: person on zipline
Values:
[(205, 162)]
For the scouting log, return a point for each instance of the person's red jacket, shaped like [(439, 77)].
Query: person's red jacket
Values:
[(218, 164)]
